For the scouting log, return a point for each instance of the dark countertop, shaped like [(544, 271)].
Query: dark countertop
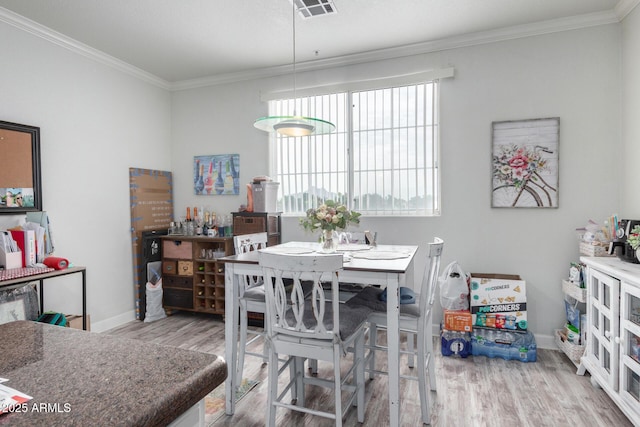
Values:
[(85, 378)]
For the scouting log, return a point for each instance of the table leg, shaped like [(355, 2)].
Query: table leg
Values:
[(41, 296), (393, 341), (231, 311), (84, 300)]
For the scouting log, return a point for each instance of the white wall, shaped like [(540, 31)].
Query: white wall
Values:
[(572, 75), (95, 123), (631, 115)]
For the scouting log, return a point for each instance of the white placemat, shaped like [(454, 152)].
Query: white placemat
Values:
[(353, 247), (380, 255), (289, 250)]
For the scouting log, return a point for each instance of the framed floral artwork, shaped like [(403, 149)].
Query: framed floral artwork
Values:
[(525, 163), (216, 174)]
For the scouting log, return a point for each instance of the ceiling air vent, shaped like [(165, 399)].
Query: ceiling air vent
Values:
[(312, 8)]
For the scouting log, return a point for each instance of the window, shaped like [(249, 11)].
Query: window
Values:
[(382, 159)]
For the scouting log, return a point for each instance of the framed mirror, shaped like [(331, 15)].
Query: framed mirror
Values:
[(20, 183)]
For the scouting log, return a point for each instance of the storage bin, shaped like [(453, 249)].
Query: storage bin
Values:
[(248, 225), (177, 298), (10, 260), (169, 267), (265, 196), (177, 249), (184, 282), (573, 351), (185, 268), (574, 291), (594, 249)]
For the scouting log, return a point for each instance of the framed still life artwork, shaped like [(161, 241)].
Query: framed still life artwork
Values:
[(216, 174), (525, 163)]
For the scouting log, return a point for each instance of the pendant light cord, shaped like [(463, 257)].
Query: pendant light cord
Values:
[(293, 17)]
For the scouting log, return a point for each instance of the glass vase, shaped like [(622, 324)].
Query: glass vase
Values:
[(329, 241)]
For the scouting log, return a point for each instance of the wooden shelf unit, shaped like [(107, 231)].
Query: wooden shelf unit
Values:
[(257, 222), (192, 276)]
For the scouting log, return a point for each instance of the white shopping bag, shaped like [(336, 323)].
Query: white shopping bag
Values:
[(155, 311), (454, 289)]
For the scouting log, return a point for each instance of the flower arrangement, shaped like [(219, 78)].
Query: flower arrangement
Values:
[(329, 216), (515, 165), (634, 237)]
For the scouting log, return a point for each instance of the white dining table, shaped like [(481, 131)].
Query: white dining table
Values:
[(389, 266)]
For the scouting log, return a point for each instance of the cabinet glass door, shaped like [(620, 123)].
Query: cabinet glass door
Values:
[(603, 312), (630, 343)]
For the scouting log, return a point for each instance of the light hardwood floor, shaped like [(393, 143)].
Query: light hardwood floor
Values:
[(476, 391)]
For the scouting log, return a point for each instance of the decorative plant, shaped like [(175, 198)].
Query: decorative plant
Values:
[(329, 216), (634, 237)]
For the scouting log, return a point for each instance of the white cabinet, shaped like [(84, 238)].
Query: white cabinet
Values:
[(603, 320), (612, 355), (629, 386)]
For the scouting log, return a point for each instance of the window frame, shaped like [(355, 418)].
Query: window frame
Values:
[(431, 129)]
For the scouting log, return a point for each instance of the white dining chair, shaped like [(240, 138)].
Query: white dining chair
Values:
[(415, 319), (251, 299), (311, 328)]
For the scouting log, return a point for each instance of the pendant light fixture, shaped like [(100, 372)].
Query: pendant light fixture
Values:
[(294, 125)]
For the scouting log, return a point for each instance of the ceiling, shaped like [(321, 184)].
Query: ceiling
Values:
[(177, 41)]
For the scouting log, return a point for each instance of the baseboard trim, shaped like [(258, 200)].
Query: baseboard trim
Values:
[(113, 322)]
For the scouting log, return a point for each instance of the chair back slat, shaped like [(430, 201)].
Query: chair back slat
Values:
[(249, 242), (245, 243), (430, 278), (288, 312), (435, 251)]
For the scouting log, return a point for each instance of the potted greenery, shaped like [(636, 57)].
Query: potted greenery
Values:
[(634, 240)]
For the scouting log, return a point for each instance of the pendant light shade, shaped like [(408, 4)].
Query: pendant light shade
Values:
[(294, 125)]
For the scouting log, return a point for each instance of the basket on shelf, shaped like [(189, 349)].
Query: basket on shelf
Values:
[(594, 249), (574, 291), (574, 351)]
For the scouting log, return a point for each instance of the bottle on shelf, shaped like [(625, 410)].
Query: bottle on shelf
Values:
[(198, 221), (189, 229)]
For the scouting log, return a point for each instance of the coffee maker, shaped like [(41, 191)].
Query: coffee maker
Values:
[(619, 246)]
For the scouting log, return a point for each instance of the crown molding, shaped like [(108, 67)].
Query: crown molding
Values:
[(75, 46), (483, 37), (539, 28), (624, 7)]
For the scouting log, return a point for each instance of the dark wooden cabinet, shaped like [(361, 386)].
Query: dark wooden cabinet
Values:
[(257, 222), (192, 276)]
